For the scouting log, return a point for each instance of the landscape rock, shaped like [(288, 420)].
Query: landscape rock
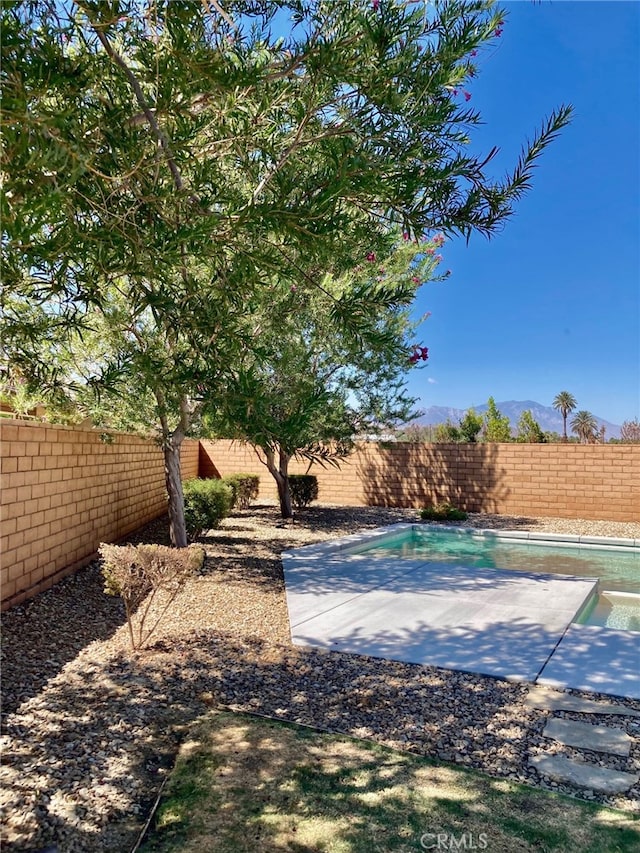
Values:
[(91, 728)]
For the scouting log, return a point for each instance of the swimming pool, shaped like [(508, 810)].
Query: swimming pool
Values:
[(359, 595), (615, 562)]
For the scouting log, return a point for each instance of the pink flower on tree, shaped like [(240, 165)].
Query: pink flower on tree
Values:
[(415, 279), (467, 96), (406, 235), (419, 354), (371, 256), (474, 53)]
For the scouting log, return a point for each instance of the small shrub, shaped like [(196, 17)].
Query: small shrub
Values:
[(206, 503), (245, 488), (442, 512), (304, 489), (139, 572)]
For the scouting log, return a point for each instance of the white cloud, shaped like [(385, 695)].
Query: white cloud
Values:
[(432, 381)]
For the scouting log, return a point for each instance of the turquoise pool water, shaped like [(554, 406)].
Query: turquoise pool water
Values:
[(617, 568), (612, 610)]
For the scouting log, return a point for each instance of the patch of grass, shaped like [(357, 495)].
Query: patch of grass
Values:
[(191, 794), (246, 784)]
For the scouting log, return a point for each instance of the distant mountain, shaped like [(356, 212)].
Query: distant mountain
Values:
[(549, 419)]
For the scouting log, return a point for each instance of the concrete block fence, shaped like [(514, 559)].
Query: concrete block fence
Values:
[(600, 481), (65, 489)]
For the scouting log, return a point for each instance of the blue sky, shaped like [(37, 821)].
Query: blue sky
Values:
[(551, 303)]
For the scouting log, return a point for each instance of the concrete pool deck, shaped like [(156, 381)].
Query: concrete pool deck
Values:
[(511, 625)]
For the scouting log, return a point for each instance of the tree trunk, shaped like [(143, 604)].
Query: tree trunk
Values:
[(173, 480), (280, 474)]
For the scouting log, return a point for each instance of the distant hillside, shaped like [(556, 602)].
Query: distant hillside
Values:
[(549, 419)]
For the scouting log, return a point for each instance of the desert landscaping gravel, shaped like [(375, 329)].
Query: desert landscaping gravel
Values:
[(90, 728)]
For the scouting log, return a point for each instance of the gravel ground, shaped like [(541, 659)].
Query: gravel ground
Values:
[(90, 728)]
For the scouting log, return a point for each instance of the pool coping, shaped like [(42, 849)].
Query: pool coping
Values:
[(347, 548), (380, 534)]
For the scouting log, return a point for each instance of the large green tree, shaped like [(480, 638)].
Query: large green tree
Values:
[(565, 403), (317, 381), (585, 426), (496, 425), (528, 430), (162, 161), (470, 426)]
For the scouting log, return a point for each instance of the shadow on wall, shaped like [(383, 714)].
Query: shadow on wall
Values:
[(469, 476), (206, 466)]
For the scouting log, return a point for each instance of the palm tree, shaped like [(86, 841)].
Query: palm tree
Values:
[(585, 426), (565, 403)]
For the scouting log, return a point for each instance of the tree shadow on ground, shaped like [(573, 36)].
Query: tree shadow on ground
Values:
[(249, 547), (42, 635), (249, 781), (82, 761), (51, 629)]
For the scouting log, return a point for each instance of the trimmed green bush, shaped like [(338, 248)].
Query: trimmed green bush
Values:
[(304, 489), (442, 512), (245, 488), (206, 503)]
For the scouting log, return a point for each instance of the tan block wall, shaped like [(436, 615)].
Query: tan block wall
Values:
[(64, 491), (558, 480)]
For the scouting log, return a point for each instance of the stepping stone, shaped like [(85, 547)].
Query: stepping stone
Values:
[(585, 775), (552, 700), (587, 736)]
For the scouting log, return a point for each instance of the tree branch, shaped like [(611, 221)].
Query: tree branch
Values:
[(144, 106)]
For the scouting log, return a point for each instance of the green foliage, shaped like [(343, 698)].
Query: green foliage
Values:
[(177, 169), (585, 426), (144, 574), (446, 433), (244, 488), (206, 503), (565, 403), (304, 489), (470, 426), (319, 379), (529, 430), (496, 425), (467, 430), (442, 512)]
